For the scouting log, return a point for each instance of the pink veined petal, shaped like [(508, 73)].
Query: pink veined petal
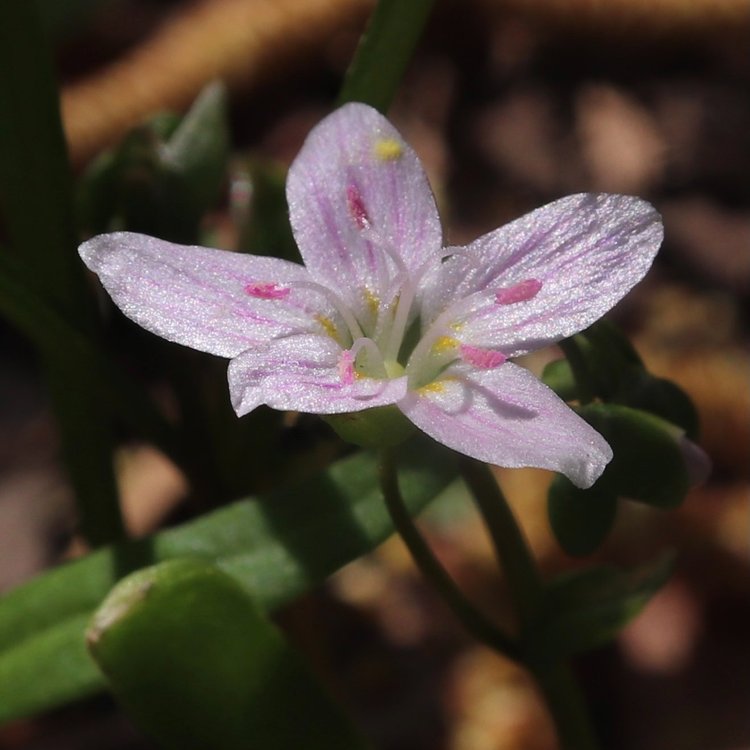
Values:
[(308, 373), (211, 300), (507, 417), (357, 196), (548, 274)]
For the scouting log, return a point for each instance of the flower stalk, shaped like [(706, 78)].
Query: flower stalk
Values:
[(555, 679), (475, 622)]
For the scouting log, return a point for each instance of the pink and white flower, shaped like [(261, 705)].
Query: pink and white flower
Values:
[(382, 314)]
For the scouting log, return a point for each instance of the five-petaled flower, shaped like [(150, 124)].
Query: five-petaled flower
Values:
[(382, 314)]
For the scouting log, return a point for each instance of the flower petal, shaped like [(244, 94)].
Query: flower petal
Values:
[(546, 275), (211, 300), (360, 204), (506, 417), (306, 373)]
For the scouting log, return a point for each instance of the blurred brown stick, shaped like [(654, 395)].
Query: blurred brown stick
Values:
[(245, 41), (240, 41)]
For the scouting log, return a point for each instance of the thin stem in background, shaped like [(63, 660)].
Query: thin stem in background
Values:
[(472, 619), (510, 546), (556, 681)]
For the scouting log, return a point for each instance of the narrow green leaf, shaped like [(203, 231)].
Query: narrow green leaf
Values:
[(196, 664), (65, 19), (35, 180), (199, 148), (35, 202), (59, 341), (275, 549), (586, 609), (384, 52), (163, 176)]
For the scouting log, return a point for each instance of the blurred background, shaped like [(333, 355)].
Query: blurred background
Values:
[(510, 104)]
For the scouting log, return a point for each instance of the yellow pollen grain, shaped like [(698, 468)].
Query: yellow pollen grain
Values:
[(328, 326), (457, 326), (373, 302), (444, 344), (388, 149), (434, 387)]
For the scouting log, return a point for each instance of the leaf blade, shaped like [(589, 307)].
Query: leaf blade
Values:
[(273, 558)]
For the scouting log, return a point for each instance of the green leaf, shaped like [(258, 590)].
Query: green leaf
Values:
[(661, 397), (35, 180), (558, 375), (648, 464), (276, 549), (598, 360), (163, 176), (580, 519), (37, 215), (612, 345), (60, 341), (198, 149), (587, 609), (196, 665), (260, 210), (66, 19), (384, 52)]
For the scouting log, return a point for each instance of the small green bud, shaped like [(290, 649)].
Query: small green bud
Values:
[(380, 427)]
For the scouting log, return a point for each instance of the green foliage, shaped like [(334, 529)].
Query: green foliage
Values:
[(164, 175), (580, 519), (275, 548), (260, 210), (384, 52), (610, 367), (648, 464), (36, 213), (197, 664), (558, 375), (643, 418), (586, 609)]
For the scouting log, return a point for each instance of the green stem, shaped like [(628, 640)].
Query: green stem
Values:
[(472, 619), (512, 552), (567, 706), (384, 52), (584, 383), (526, 587)]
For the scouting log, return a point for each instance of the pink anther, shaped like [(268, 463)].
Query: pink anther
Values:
[(357, 207), (524, 290), (346, 367), (484, 359), (267, 290)]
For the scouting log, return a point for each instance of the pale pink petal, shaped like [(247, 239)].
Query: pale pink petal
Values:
[(506, 417), (546, 275), (306, 373), (211, 300), (697, 462), (360, 204)]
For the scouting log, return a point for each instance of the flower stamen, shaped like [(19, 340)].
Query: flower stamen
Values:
[(356, 207), (267, 290), (521, 292), (484, 359)]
